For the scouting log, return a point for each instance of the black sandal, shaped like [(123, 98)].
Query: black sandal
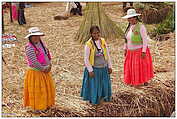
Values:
[(146, 84)]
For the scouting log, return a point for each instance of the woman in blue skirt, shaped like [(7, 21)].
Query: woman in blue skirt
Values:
[(96, 84)]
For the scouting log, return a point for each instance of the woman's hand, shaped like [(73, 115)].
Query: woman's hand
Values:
[(48, 68), (143, 55), (109, 70), (91, 74)]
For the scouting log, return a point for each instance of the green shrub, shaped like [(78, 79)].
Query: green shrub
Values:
[(168, 24)]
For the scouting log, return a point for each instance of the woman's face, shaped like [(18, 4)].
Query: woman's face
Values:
[(95, 34), (132, 20), (35, 39)]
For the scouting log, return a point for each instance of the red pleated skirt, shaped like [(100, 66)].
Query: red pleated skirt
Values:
[(136, 69)]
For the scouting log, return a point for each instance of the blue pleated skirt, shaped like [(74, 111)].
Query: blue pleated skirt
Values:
[(96, 88)]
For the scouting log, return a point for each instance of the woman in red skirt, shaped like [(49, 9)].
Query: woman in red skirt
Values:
[(138, 68)]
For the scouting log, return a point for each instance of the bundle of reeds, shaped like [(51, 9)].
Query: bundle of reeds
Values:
[(95, 15), (157, 99)]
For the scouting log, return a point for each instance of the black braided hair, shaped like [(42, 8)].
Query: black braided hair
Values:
[(126, 32), (43, 46), (138, 19), (32, 43), (36, 47), (93, 28)]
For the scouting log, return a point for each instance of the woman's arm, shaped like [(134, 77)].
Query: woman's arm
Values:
[(109, 58), (30, 53), (144, 37), (86, 59)]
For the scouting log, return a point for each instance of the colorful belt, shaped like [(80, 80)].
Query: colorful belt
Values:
[(34, 68)]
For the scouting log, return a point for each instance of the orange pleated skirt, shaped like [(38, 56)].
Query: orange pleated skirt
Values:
[(39, 90)]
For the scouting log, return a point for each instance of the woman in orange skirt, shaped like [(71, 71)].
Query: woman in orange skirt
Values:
[(138, 68), (39, 88)]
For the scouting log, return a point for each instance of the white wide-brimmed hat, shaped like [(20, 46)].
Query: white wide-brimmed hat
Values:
[(130, 13), (34, 31)]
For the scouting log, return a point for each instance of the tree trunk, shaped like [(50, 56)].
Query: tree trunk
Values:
[(94, 15)]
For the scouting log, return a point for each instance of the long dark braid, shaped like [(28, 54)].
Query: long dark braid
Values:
[(139, 20), (43, 46), (36, 47), (126, 32), (32, 43)]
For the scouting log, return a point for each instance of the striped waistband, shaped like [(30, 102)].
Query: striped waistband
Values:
[(33, 68), (135, 49)]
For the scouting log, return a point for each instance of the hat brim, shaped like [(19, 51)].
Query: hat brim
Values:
[(129, 16), (35, 34)]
